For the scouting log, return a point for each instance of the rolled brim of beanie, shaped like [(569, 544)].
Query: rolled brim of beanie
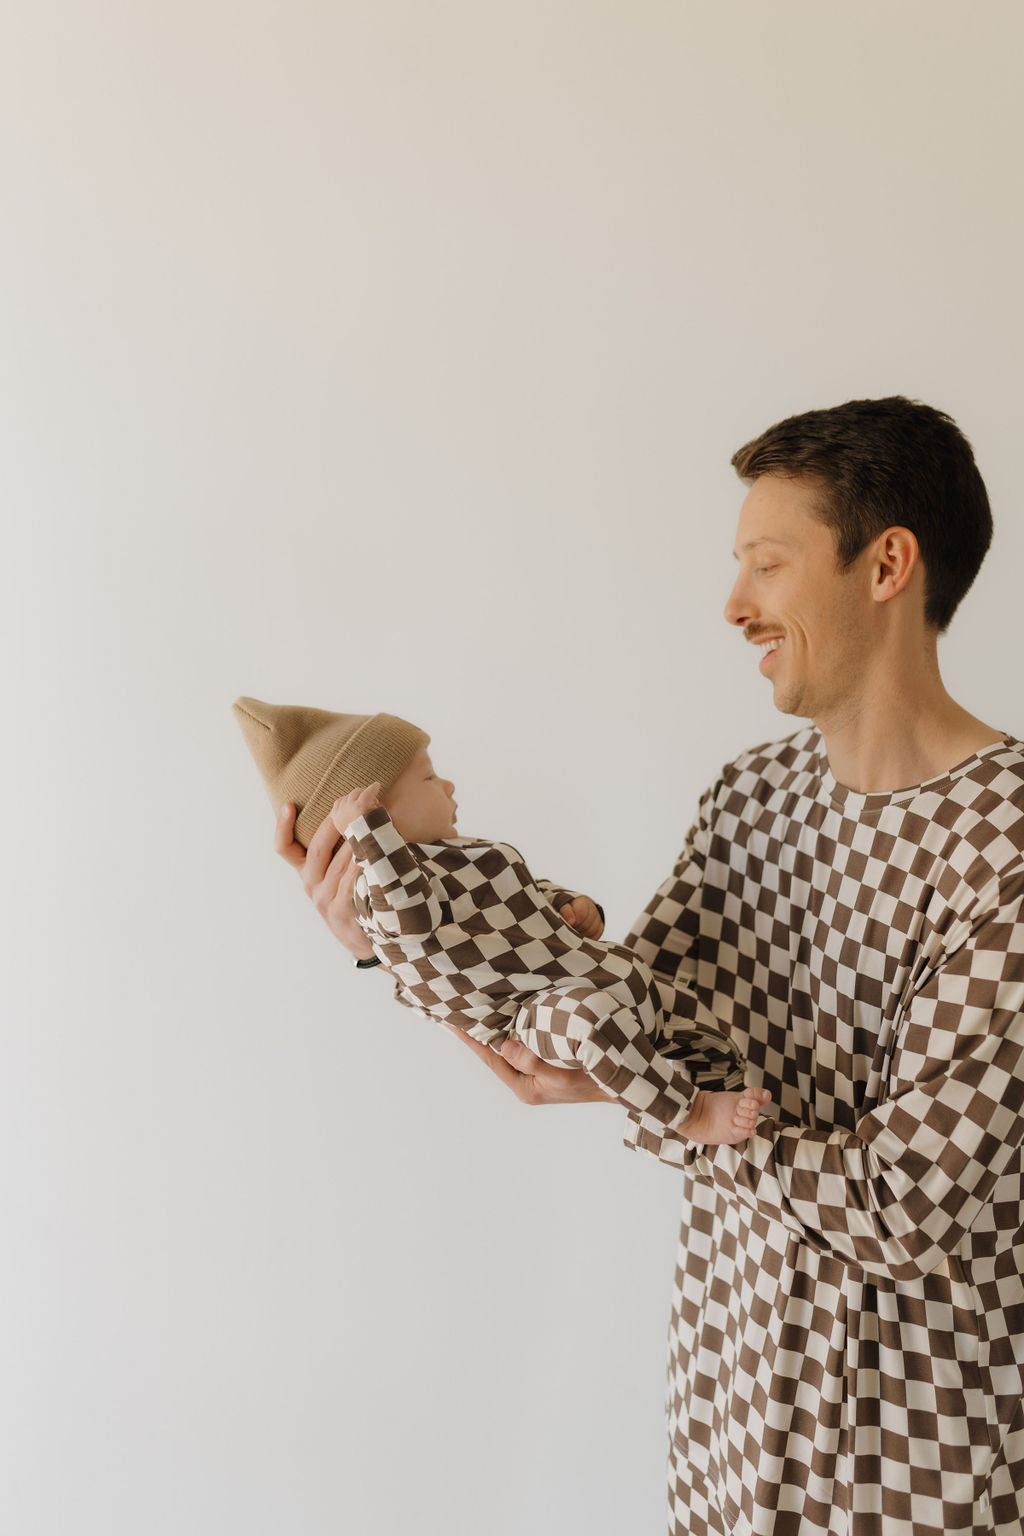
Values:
[(310, 756), (381, 749)]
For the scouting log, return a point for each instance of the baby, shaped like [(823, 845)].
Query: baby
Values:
[(473, 939)]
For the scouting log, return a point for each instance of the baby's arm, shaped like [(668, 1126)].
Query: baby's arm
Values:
[(580, 912), (406, 902)]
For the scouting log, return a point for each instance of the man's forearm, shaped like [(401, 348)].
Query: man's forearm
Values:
[(896, 1204)]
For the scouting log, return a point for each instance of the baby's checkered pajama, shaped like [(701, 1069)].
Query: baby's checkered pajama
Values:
[(474, 940)]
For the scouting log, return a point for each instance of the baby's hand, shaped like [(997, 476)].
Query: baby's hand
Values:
[(356, 803), (582, 914)]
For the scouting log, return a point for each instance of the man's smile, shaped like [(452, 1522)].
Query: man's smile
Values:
[(767, 647)]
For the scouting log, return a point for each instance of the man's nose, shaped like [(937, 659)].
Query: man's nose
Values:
[(739, 608)]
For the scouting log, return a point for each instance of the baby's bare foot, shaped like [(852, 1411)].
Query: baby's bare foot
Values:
[(723, 1119), (748, 1106)]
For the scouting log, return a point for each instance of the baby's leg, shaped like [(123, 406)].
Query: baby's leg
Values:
[(611, 1039), (723, 1119)]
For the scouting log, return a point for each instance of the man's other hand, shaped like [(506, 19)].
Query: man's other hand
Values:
[(532, 1080)]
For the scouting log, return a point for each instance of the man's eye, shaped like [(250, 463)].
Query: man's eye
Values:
[(764, 570)]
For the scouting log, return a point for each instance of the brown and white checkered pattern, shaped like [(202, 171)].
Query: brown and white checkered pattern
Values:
[(847, 1338), (473, 940)]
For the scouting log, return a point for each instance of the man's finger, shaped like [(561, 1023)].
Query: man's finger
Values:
[(501, 1069), (344, 862), (529, 1065), (320, 850), (284, 841), (516, 1052), (342, 874)]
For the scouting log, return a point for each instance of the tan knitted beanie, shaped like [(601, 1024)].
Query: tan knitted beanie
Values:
[(311, 757)]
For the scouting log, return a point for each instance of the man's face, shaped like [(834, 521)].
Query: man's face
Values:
[(811, 622), (421, 805)]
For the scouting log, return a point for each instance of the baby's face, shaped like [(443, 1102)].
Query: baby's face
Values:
[(421, 805)]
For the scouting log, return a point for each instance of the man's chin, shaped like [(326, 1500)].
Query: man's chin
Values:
[(791, 703)]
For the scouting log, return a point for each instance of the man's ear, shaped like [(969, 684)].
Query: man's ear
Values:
[(895, 556)]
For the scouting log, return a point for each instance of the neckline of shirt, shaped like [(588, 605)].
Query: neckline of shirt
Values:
[(857, 803)]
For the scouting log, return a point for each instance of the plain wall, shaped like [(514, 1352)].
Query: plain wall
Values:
[(391, 356)]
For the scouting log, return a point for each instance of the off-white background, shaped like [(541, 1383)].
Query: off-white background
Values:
[(391, 355)]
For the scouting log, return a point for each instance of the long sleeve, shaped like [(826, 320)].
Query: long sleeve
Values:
[(897, 1195), (664, 935), (406, 902)]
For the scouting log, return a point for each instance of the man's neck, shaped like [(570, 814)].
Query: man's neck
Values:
[(901, 729)]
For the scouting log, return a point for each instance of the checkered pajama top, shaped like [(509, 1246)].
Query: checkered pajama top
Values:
[(847, 1339), (469, 936)]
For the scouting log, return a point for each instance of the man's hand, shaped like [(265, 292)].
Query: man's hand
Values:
[(582, 914), (531, 1080), (356, 803), (327, 880)]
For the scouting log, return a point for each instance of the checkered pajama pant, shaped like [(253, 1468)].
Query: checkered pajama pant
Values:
[(609, 1031)]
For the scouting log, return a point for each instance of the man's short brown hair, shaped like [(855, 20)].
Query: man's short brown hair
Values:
[(883, 464)]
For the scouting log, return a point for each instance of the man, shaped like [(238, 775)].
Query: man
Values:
[(848, 1330)]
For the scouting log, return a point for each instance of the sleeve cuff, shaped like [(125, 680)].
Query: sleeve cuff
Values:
[(361, 826)]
